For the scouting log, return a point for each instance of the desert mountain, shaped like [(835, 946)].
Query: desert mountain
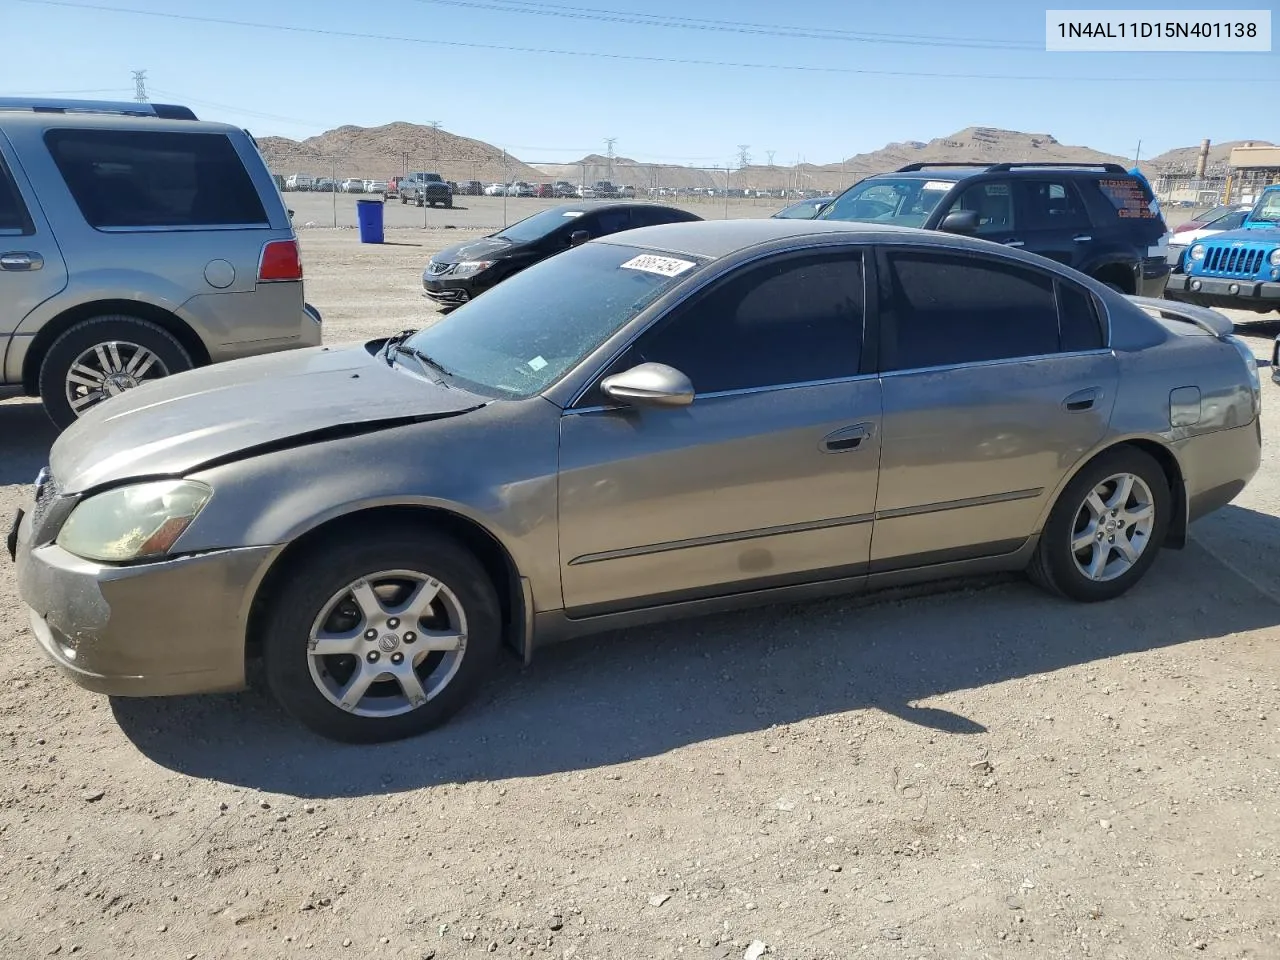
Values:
[(390, 150)]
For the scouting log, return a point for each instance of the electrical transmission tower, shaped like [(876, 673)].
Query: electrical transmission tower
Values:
[(608, 146), (435, 138), (744, 158), (140, 86), (769, 154)]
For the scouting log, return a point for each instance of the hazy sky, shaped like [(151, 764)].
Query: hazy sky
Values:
[(415, 64)]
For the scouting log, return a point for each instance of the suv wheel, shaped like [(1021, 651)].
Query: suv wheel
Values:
[(102, 357), (382, 638)]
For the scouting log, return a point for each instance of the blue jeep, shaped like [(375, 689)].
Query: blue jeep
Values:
[(1238, 268)]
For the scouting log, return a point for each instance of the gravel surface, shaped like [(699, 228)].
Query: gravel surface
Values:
[(984, 773)]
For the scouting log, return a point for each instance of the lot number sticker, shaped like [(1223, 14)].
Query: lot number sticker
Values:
[(663, 266)]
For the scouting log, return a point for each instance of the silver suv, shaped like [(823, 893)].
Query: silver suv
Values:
[(136, 242)]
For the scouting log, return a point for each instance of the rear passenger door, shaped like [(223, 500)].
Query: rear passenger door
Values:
[(1054, 221), (31, 267), (996, 380)]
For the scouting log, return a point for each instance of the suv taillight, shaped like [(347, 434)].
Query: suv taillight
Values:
[(280, 261)]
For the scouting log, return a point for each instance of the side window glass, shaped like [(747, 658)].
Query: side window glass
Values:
[(1078, 319), (1053, 205), (14, 220), (788, 322), (611, 221), (1127, 198), (949, 310), (130, 178), (993, 202)]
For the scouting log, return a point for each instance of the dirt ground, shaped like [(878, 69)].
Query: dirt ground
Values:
[(983, 773)]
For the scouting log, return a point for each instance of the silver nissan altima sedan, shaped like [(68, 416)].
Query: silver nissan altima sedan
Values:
[(666, 422)]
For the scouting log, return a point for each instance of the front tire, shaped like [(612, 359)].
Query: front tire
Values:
[(102, 357), (1104, 532), (383, 639)]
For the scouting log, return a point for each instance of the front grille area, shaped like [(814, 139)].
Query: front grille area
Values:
[(1241, 262), (435, 269), (47, 491)]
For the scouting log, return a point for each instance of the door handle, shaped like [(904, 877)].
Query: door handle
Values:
[(21, 260), (846, 438), (1083, 238), (1014, 243), (1082, 399)]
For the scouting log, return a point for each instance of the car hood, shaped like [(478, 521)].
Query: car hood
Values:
[(1253, 235), (482, 249), (230, 411)]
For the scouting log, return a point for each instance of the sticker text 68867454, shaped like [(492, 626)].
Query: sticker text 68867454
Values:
[(664, 266)]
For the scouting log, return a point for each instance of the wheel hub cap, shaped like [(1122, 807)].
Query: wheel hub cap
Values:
[(108, 370)]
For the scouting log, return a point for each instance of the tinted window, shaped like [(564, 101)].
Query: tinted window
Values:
[(1053, 205), (1078, 319), (13, 213), (785, 322), (993, 202), (1127, 198), (649, 216), (949, 310), (125, 178), (608, 221)]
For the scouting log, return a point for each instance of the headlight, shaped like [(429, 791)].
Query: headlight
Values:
[(1274, 259), (1197, 252), (469, 268), (131, 523)]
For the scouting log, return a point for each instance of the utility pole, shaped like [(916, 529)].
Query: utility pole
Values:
[(1137, 153), (608, 145), (140, 86)]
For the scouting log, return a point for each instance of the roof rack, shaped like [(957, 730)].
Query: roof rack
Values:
[(1061, 165), (1002, 167), (922, 165), (162, 111)]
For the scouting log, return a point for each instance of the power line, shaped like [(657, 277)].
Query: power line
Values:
[(732, 26), (1197, 79)]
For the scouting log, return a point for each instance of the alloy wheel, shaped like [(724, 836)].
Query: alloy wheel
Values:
[(387, 643), (1113, 527), (108, 369)]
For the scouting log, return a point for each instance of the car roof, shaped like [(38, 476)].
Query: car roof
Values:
[(586, 205), (13, 119), (958, 173), (714, 239)]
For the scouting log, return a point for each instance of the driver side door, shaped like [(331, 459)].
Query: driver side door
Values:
[(768, 478)]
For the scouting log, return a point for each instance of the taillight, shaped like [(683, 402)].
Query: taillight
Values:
[(280, 261)]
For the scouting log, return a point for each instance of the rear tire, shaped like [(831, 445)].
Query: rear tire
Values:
[(1127, 535), (311, 687), (124, 350)]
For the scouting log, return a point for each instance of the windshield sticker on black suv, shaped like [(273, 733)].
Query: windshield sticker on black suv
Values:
[(664, 266)]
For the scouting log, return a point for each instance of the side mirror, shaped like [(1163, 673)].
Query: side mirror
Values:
[(649, 385), (960, 221), (578, 238)]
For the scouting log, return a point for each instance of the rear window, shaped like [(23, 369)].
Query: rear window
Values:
[(131, 179), (1128, 198)]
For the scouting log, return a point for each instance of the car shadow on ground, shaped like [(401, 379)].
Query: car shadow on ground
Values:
[(640, 693), (26, 433)]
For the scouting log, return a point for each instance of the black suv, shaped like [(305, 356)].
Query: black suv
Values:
[(1097, 218)]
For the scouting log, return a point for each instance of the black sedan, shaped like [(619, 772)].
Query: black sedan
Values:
[(464, 271)]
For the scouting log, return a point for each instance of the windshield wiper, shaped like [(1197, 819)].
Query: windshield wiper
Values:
[(424, 361), (393, 343)]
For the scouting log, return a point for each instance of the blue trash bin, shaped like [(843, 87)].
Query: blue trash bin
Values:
[(369, 216)]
